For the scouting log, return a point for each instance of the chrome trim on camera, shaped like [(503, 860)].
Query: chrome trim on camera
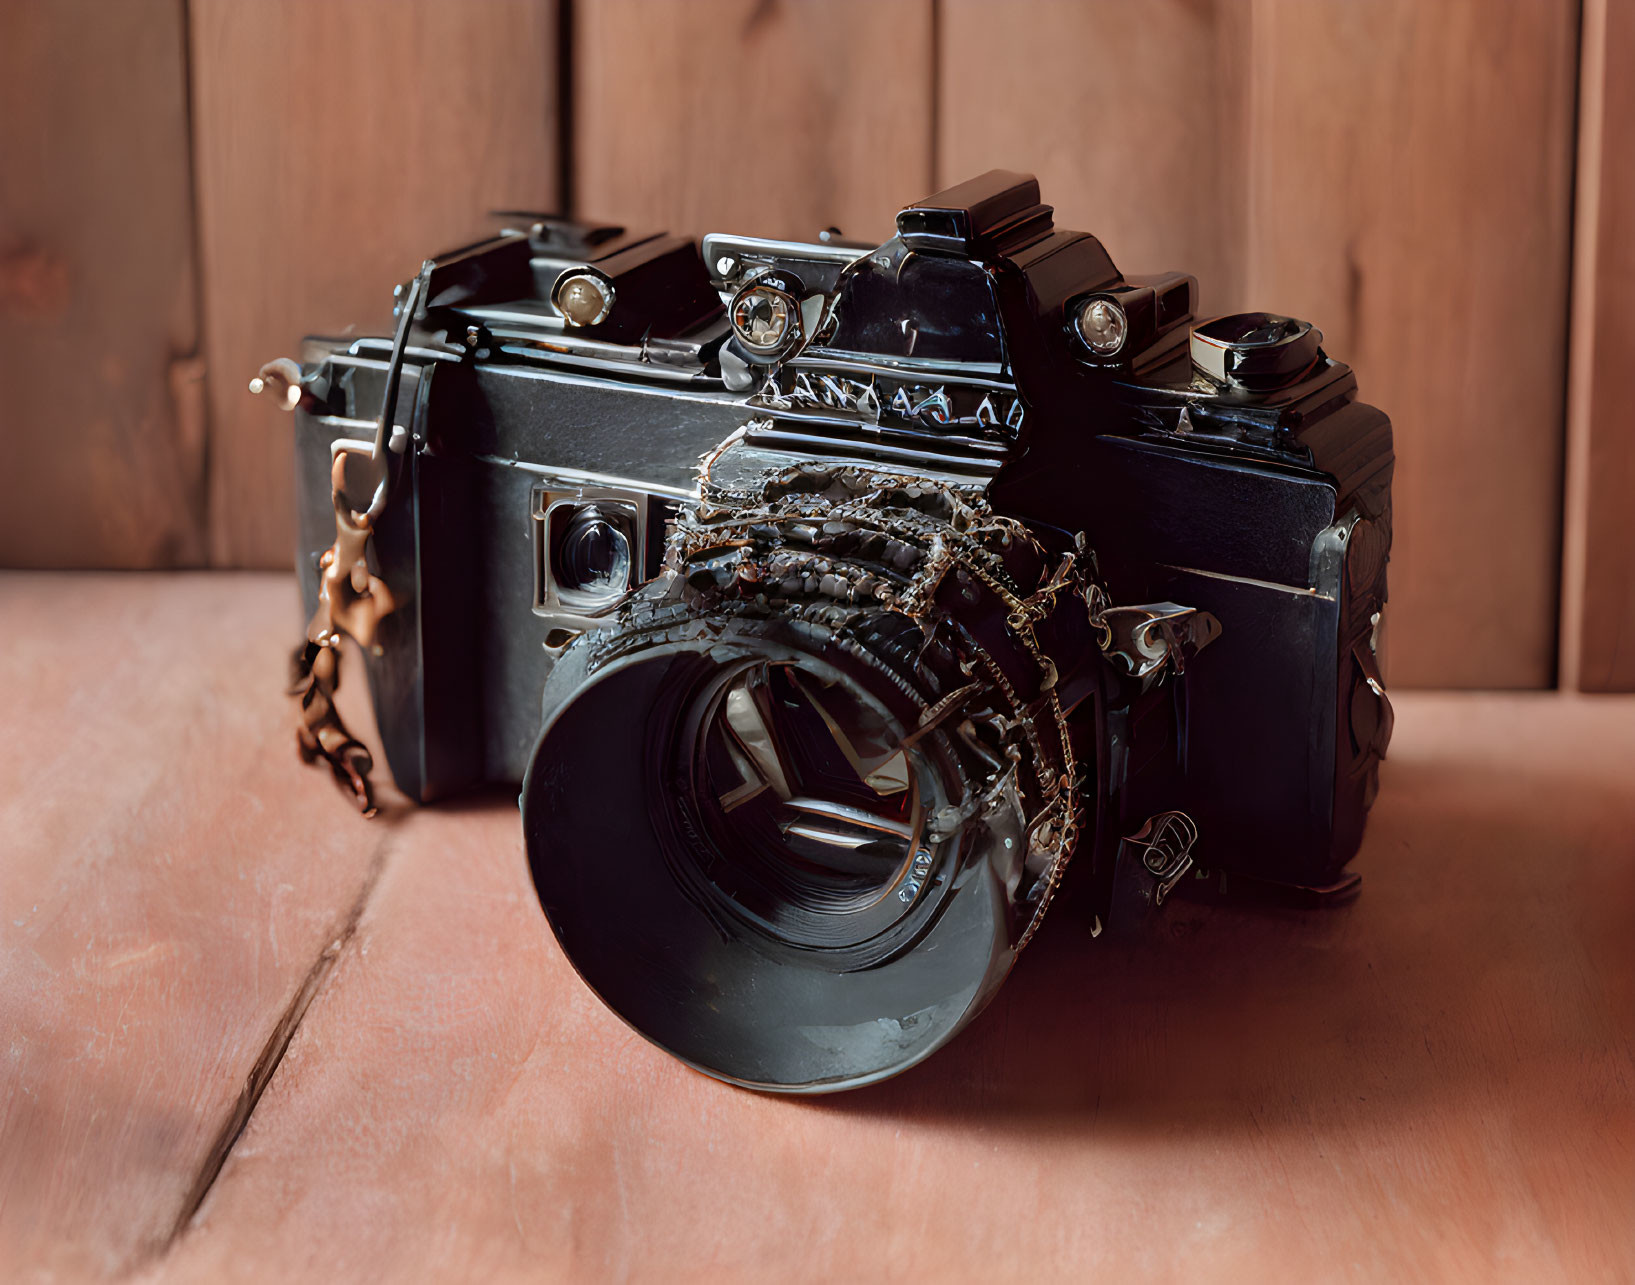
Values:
[(700, 390), (578, 477), (919, 407), (1328, 554), (624, 367), (985, 374), (872, 451), (531, 335), (1300, 591), (1166, 842), (719, 244), (867, 434), (421, 353), (1144, 640), (566, 608)]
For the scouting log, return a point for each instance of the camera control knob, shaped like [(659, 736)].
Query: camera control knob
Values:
[(1256, 350)]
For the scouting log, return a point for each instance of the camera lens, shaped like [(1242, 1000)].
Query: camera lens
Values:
[(747, 845), (583, 299), (798, 842), (1103, 327), (592, 556), (809, 813), (762, 317)]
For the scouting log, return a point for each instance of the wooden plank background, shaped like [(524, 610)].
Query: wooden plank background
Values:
[(1598, 638), (757, 116), (1416, 204), (101, 437), (162, 901), (1400, 173), (337, 145)]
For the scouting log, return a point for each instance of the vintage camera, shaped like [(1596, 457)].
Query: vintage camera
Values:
[(827, 598)]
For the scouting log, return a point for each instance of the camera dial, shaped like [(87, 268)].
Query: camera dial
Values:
[(1256, 350), (766, 314)]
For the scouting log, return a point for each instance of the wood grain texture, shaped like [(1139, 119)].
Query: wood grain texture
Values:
[(1410, 184), (1433, 1084), (1400, 174), (101, 445), (170, 874), (767, 117), (1132, 116), (1598, 634), (337, 145)]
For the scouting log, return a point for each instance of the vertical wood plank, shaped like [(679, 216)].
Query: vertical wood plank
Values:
[(767, 117), (1398, 173), (337, 145), (1410, 191), (1598, 626), (1131, 116), (101, 447)]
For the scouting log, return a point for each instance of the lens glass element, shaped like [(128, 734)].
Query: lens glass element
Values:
[(1103, 327), (805, 809), (583, 299), (762, 318), (592, 557)]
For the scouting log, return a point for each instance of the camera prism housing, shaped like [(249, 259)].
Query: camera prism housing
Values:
[(830, 597)]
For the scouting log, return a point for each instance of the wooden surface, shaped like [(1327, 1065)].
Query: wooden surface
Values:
[(101, 428), (160, 899), (1133, 118), (1599, 598), (336, 146), (757, 116), (1400, 173), (1435, 1083)]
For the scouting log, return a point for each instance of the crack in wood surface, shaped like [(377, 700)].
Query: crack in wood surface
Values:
[(272, 1052)]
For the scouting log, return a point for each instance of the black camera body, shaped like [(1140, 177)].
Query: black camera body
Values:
[(1048, 565)]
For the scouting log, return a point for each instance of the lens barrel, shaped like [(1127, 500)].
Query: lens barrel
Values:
[(793, 816)]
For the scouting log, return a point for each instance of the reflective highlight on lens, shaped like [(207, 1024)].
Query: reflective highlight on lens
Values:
[(808, 807), (593, 557), (1103, 327), (762, 318)]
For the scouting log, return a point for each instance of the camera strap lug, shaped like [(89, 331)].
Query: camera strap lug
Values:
[(1147, 639), (1166, 842), (352, 599)]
